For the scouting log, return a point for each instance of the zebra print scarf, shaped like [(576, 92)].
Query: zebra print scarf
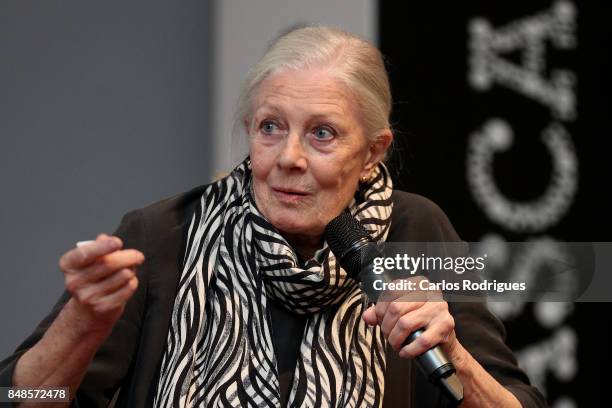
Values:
[(219, 348)]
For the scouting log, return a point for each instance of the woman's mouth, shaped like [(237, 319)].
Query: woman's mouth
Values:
[(289, 195)]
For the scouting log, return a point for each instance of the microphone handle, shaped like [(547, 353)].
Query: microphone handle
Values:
[(438, 369), (433, 362)]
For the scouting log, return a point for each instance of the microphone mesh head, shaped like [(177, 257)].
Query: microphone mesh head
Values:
[(345, 237)]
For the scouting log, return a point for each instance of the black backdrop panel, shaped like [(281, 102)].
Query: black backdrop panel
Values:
[(531, 79)]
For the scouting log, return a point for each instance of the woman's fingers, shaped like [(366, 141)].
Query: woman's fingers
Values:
[(109, 264), (101, 276), (393, 303), (82, 256), (116, 299), (396, 310), (408, 323), (438, 331), (401, 313), (90, 293), (104, 267), (407, 317), (369, 315), (424, 317)]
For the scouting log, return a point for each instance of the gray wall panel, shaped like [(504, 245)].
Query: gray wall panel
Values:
[(104, 107)]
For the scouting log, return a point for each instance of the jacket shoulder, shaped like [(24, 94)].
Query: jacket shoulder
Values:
[(159, 226), (417, 218), (175, 204)]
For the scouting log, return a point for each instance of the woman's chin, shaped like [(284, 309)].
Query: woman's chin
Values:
[(289, 227), (296, 225)]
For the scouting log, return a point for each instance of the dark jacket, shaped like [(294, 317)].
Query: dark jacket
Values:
[(130, 358)]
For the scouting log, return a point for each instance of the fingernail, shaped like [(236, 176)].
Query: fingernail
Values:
[(113, 243)]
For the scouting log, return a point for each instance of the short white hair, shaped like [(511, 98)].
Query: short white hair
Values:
[(355, 61)]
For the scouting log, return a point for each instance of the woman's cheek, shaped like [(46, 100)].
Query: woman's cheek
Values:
[(328, 175), (260, 164), (335, 189)]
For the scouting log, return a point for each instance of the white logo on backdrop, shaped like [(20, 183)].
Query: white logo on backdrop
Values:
[(527, 36), (557, 354), (538, 259), (491, 64), (488, 67), (497, 136)]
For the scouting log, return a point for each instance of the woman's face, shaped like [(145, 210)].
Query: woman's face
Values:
[(308, 150)]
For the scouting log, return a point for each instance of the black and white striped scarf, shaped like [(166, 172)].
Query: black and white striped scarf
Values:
[(219, 348)]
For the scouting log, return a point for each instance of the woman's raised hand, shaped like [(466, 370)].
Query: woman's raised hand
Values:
[(101, 277)]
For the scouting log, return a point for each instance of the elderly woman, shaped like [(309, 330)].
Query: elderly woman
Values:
[(237, 300)]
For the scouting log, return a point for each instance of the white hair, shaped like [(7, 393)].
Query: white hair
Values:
[(353, 60)]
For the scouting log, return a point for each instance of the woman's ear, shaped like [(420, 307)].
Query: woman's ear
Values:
[(377, 150)]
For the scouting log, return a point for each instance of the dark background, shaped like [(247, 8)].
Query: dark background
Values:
[(436, 110)]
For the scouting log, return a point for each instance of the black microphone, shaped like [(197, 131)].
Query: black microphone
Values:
[(355, 250)]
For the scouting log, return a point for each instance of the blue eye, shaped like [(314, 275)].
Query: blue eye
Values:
[(268, 127), (323, 133)]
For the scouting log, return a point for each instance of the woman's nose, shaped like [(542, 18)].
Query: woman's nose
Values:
[(292, 154)]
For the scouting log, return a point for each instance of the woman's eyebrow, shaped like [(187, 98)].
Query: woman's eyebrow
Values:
[(332, 116), (336, 117), (267, 109)]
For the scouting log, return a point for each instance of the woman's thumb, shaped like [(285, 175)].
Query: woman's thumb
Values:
[(369, 316)]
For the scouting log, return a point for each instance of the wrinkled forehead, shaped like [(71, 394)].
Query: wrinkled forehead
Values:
[(316, 92)]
